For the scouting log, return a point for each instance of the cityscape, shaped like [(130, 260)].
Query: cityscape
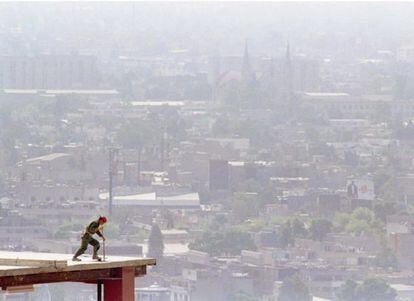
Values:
[(258, 151)]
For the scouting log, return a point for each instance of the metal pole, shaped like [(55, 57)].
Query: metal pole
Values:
[(139, 165), (110, 180), (162, 149), (104, 249), (100, 284)]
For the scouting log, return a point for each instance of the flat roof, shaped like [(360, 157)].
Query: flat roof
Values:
[(60, 91), (402, 287), (49, 157), (97, 92), (26, 263), (151, 199), (159, 103), (325, 94)]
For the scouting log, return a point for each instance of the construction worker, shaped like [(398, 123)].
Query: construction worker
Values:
[(95, 227)]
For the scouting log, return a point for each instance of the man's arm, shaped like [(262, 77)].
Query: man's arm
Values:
[(100, 228)]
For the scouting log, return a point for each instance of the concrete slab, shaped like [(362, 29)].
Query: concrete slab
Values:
[(24, 263)]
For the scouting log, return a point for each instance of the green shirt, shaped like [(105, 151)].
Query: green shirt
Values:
[(94, 228)]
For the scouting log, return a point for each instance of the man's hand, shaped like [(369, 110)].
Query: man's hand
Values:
[(103, 238)]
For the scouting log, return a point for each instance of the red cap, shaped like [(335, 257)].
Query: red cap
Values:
[(103, 218)]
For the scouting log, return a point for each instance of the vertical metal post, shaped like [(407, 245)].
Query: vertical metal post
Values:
[(162, 148), (139, 165), (104, 248), (110, 172), (100, 284)]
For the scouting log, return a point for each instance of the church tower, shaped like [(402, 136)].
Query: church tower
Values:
[(288, 71), (248, 84), (247, 72)]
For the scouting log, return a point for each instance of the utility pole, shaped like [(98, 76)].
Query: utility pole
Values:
[(162, 149), (111, 172)]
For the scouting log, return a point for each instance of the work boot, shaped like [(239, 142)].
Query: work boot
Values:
[(96, 257), (76, 259)]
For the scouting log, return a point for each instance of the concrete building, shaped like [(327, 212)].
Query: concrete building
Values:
[(346, 106), (48, 71), (154, 292)]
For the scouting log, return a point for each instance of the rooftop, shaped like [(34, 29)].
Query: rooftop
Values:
[(114, 277), (325, 94), (60, 91), (158, 103), (49, 157), (153, 200), (25, 263)]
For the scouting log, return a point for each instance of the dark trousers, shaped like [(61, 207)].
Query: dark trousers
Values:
[(87, 239)]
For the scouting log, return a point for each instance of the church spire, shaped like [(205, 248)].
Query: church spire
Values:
[(288, 69), (287, 52), (247, 72), (246, 68)]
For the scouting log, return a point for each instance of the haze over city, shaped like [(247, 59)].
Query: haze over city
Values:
[(194, 151)]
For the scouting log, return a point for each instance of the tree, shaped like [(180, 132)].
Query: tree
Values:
[(155, 243), (360, 221), (209, 242), (374, 289), (229, 242), (220, 220), (244, 206), (383, 209), (241, 209), (319, 228), (293, 288), (235, 241), (298, 228), (347, 291), (286, 235)]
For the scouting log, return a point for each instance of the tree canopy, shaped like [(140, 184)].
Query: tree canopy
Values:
[(229, 242), (293, 288), (319, 228), (360, 221), (155, 243), (372, 289)]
